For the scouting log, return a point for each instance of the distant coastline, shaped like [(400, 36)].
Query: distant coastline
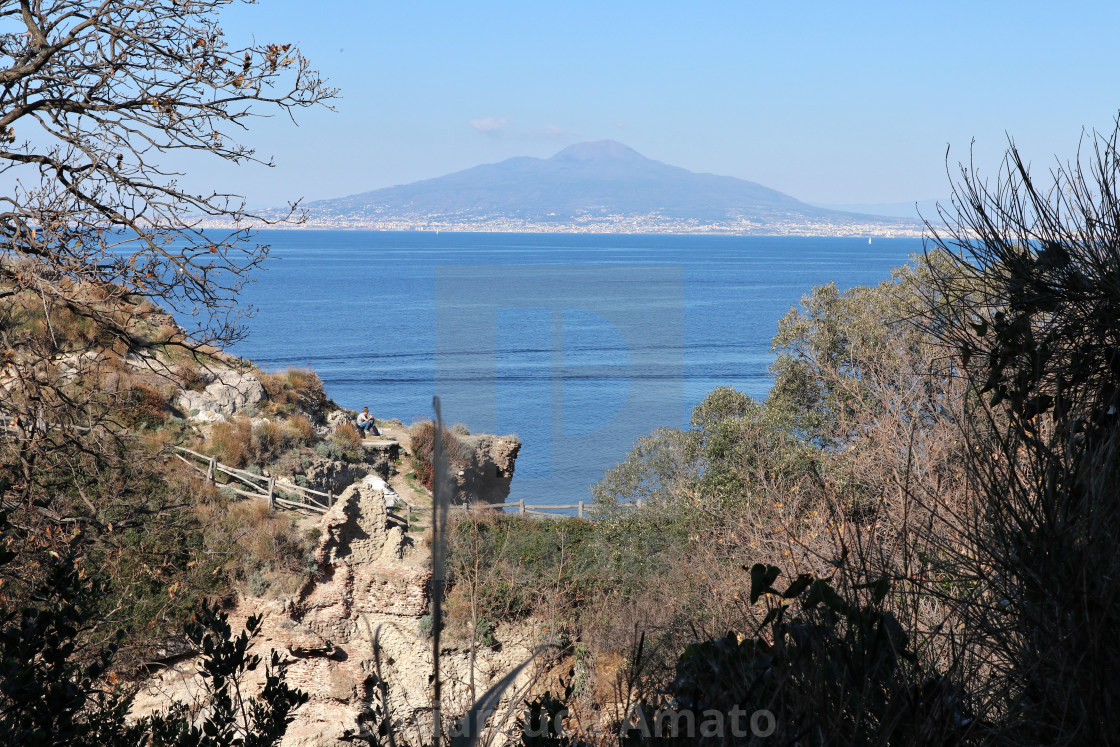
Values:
[(592, 188), (881, 228)]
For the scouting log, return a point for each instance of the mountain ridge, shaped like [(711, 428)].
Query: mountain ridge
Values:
[(603, 185)]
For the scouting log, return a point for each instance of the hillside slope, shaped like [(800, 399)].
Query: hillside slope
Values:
[(584, 182)]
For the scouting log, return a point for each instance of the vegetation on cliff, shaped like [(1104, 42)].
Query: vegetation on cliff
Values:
[(913, 540), (96, 234), (933, 475)]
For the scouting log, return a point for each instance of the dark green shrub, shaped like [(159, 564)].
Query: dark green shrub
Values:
[(427, 625), (330, 450), (257, 583), (833, 669), (541, 724), (57, 685), (422, 435)]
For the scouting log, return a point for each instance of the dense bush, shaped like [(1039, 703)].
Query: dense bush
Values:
[(1030, 309), (295, 391), (828, 668), (348, 435), (143, 406), (232, 442), (240, 443), (300, 429), (504, 567), (422, 435), (58, 686)]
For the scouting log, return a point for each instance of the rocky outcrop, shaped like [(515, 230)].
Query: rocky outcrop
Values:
[(380, 455), (226, 392), (485, 474), (333, 475), (353, 634)]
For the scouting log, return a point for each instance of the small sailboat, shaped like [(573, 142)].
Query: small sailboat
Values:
[(868, 239)]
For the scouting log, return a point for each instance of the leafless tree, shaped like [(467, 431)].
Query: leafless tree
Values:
[(1029, 313), (102, 107)]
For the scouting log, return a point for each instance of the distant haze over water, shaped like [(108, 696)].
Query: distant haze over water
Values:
[(359, 308)]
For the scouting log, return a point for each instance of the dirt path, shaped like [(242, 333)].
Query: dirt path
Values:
[(398, 481)]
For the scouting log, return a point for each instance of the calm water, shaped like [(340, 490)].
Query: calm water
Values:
[(577, 343)]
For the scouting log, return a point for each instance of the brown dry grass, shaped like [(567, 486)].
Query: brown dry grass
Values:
[(273, 557), (239, 443), (232, 442), (422, 438), (267, 440), (348, 434), (295, 389), (300, 429), (190, 376)]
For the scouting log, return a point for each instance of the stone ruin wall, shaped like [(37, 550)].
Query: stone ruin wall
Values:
[(355, 624)]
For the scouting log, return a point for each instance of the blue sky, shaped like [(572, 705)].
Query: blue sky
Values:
[(831, 102)]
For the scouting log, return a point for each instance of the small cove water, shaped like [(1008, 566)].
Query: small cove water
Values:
[(584, 342)]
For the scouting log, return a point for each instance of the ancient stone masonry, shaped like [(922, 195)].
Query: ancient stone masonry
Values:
[(367, 580), (355, 623)]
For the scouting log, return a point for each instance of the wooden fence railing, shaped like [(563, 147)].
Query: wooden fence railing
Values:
[(281, 495), (528, 509), (285, 495), (403, 510)]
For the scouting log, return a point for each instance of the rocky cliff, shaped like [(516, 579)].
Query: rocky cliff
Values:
[(486, 469), (353, 628), (355, 637)]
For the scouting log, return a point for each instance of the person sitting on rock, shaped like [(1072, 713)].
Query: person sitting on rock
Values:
[(366, 423)]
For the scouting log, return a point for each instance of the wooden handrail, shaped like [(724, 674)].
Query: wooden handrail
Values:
[(539, 508), (268, 488), (271, 491)]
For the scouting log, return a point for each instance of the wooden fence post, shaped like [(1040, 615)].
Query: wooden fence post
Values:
[(212, 469), (271, 492), (521, 507), (581, 509)]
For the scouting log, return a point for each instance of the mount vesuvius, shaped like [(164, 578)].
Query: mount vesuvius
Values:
[(598, 186)]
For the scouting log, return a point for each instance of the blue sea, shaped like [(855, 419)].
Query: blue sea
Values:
[(577, 343)]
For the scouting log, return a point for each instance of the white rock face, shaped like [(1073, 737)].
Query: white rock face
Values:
[(375, 482), (227, 393), (354, 625)]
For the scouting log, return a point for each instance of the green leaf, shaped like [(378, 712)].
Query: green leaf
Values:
[(1038, 405), (878, 588), (798, 586), (774, 615), (823, 592), (762, 578)]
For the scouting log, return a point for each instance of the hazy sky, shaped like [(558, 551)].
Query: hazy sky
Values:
[(833, 102)]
